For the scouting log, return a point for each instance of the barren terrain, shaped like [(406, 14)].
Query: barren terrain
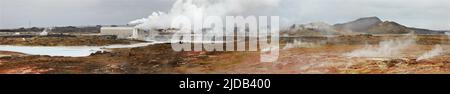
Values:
[(351, 54)]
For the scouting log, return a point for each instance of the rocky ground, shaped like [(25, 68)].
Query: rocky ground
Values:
[(119, 61), (312, 55), (329, 57)]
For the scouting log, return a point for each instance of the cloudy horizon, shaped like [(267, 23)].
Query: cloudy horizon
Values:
[(429, 14)]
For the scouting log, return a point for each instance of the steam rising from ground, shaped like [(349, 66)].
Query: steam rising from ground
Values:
[(437, 50), (390, 48), (198, 9), (394, 49), (300, 44)]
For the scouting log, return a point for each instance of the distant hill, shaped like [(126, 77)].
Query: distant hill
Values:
[(65, 29), (373, 25), (427, 31), (366, 25), (359, 25)]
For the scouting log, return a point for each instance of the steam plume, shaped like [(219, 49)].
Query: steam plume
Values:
[(390, 48), (437, 50), (202, 8)]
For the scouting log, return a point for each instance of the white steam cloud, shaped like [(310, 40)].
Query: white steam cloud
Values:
[(195, 9), (301, 44), (386, 49), (437, 50)]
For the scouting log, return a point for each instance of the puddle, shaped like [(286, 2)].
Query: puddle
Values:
[(68, 51)]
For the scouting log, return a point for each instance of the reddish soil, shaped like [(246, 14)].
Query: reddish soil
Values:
[(328, 58)]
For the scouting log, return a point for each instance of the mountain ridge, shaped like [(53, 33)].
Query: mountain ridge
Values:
[(364, 25)]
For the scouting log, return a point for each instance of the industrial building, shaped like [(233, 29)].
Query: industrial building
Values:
[(125, 32)]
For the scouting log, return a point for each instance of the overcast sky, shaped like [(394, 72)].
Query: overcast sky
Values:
[(432, 14)]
